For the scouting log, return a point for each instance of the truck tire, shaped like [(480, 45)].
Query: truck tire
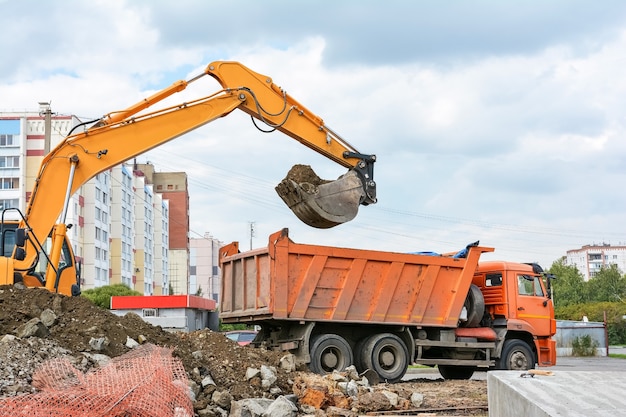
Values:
[(516, 356), (386, 355), (329, 352), (475, 306), (456, 372)]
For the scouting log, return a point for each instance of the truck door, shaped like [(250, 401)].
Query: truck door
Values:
[(533, 305)]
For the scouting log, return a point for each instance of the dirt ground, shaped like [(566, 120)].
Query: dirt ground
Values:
[(80, 331)]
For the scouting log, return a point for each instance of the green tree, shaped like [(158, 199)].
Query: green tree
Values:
[(101, 296), (569, 286), (607, 285)]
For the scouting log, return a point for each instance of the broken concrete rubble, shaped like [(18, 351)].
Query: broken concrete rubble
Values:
[(223, 376)]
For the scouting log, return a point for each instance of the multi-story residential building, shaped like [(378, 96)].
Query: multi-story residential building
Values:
[(161, 247), (172, 186), (204, 275), (97, 218), (122, 226), (590, 259)]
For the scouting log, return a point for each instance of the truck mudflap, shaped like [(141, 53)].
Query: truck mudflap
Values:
[(546, 351)]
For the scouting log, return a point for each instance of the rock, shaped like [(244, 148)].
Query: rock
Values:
[(250, 407), (207, 380), (206, 412), (131, 343), (251, 373), (392, 397), (352, 373), (8, 338), (48, 318), (33, 327), (288, 362), (314, 397), (352, 389), (339, 412), (99, 343), (417, 400), (99, 358), (281, 407), (222, 398), (373, 401), (338, 376), (268, 376)]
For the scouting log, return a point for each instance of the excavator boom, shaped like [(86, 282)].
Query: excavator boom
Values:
[(122, 135)]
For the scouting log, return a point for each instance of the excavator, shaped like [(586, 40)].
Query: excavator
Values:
[(36, 250)]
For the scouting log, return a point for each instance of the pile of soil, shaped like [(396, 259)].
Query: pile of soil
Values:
[(304, 174), (84, 333)]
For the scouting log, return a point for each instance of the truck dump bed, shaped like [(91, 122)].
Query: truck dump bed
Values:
[(291, 281)]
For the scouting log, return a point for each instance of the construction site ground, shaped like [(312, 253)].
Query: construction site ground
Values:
[(75, 329)]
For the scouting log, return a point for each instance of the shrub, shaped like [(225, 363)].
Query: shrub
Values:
[(584, 346), (101, 296)]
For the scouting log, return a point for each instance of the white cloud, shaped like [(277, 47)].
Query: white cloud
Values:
[(491, 122)]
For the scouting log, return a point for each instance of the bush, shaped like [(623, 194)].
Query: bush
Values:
[(584, 346), (101, 296)]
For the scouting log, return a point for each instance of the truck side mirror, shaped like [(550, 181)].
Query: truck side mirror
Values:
[(20, 254), (20, 237)]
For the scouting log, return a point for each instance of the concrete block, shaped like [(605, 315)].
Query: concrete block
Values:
[(572, 394)]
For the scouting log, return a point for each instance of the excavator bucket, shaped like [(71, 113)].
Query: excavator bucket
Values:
[(320, 203)]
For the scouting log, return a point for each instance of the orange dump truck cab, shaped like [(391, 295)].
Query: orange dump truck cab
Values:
[(519, 308)]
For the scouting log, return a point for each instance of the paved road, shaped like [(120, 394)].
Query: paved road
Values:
[(563, 363)]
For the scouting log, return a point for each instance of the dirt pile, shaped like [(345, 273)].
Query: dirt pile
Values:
[(36, 326)]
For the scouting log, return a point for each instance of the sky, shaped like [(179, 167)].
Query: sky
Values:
[(502, 122)]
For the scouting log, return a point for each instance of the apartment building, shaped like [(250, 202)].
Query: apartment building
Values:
[(590, 259), (173, 186), (204, 275)]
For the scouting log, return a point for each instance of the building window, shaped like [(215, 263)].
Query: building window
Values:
[(9, 161), (9, 183), (8, 140), (9, 203)]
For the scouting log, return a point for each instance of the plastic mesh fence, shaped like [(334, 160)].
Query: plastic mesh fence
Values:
[(147, 381)]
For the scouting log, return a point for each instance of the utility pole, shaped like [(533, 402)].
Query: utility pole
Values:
[(252, 232), (46, 112)]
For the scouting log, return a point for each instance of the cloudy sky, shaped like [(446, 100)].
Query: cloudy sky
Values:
[(497, 121)]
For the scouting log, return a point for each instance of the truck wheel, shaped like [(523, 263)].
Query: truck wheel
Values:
[(456, 372), (386, 355), (475, 305), (329, 352), (516, 356)]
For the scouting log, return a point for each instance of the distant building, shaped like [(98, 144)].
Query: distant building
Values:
[(172, 186), (591, 258), (204, 278)]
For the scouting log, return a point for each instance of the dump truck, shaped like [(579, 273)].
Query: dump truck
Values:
[(35, 248), (380, 311)]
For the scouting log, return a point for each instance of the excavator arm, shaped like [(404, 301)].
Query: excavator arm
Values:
[(122, 135)]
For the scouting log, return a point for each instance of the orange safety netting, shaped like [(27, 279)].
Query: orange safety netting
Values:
[(147, 381)]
